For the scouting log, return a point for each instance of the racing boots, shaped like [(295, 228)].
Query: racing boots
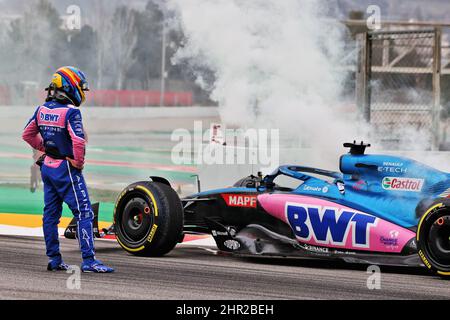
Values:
[(95, 266), (57, 265)]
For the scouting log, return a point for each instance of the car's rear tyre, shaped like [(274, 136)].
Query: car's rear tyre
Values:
[(148, 218), (433, 238)]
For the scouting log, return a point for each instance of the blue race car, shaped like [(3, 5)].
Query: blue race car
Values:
[(378, 209)]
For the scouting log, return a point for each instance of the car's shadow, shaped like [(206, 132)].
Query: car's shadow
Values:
[(329, 264), (332, 264)]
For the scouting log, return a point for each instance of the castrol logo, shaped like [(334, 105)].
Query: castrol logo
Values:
[(402, 184)]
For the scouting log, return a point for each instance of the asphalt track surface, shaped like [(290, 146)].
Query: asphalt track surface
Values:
[(190, 272)]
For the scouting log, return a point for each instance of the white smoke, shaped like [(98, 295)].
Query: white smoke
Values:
[(276, 64), (279, 64)]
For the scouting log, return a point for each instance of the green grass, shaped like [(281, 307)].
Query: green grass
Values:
[(17, 198)]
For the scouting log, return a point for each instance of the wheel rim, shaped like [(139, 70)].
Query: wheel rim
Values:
[(136, 220), (439, 241)]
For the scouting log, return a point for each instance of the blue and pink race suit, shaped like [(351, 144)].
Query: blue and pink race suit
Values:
[(57, 130)]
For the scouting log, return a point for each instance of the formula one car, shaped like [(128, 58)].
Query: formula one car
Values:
[(379, 209)]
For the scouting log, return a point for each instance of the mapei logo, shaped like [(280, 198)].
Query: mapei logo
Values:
[(49, 117), (240, 200), (330, 225), (402, 184)]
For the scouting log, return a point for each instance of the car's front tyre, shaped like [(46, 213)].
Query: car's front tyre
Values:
[(148, 218)]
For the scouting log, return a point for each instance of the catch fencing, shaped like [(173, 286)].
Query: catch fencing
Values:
[(398, 83)]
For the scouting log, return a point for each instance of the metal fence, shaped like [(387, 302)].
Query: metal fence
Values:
[(398, 83)]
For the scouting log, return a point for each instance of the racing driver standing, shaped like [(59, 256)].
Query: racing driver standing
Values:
[(56, 129)]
